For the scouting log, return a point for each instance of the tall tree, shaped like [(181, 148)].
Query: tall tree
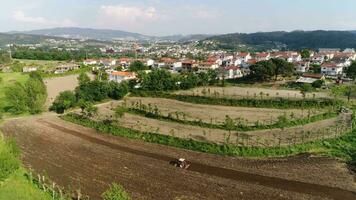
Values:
[(263, 71), (83, 78), (282, 67), (17, 97), (351, 71)]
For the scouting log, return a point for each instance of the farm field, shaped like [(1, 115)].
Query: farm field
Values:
[(80, 156), (252, 92), (7, 80), (57, 85), (217, 114), (269, 137)]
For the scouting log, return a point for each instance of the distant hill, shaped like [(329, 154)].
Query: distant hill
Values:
[(184, 38), (19, 38), (286, 40), (88, 33), (109, 35)]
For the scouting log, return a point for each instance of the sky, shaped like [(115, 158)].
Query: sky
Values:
[(169, 17)]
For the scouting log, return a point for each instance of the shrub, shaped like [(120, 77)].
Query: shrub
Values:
[(64, 101), (115, 192)]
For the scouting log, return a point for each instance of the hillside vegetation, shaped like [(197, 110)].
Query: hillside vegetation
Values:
[(290, 40)]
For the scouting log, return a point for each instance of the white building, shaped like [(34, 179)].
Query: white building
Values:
[(118, 77), (302, 66), (331, 69), (29, 69), (90, 62)]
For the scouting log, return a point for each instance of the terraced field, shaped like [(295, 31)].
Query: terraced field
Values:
[(217, 114), (241, 92), (269, 137), (83, 159)]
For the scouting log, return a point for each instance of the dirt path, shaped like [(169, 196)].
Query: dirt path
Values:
[(78, 156)]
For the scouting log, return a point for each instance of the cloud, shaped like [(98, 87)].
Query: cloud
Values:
[(20, 16), (128, 15)]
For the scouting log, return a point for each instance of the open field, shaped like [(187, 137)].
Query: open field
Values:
[(59, 84), (71, 154), (7, 80), (268, 137), (42, 64), (241, 92), (217, 114)]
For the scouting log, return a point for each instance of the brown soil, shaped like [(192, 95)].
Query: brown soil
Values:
[(239, 92), (60, 84), (217, 114), (80, 157)]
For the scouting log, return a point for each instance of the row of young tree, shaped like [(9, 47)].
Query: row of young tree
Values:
[(29, 97), (88, 92)]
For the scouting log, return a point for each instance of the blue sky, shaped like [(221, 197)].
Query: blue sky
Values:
[(166, 17)]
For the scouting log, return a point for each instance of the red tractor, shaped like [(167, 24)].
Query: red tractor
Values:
[(181, 163)]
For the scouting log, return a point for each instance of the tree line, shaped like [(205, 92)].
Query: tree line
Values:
[(29, 97), (87, 93)]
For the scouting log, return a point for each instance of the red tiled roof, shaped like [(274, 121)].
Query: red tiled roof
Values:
[(131, 74)]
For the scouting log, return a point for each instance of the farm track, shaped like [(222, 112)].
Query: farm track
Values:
[(69, 153)]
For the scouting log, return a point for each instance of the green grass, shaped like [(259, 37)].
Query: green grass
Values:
[(14, 184), (18, 187), (9, 79)]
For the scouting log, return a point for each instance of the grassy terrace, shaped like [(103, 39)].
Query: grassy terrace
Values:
[(281, 103), (343, 147)]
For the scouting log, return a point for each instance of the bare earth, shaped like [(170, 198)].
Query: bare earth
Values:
[(217, 114), (240, 92), (59, 84), (80, 157)]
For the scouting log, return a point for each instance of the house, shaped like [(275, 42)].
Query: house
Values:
[(317, 59), (248, 63), (331, 69), (150, 63), (329, 50), (205, 66), (90, 62), (262, 56), (289, 56), (107, 62), (232, 72), (243, 56), (310, 78), (167, 63), (302, 66), (29, 69), (118, 77), (66, 67), (124, 62)]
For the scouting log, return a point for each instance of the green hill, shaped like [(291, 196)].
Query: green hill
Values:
[(295, 40)]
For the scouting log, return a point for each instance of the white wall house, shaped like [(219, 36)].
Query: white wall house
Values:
[(302, 67), (118, 77), (331, 69), (150, 63), (233, 72), (90, 62), (29, 69)]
